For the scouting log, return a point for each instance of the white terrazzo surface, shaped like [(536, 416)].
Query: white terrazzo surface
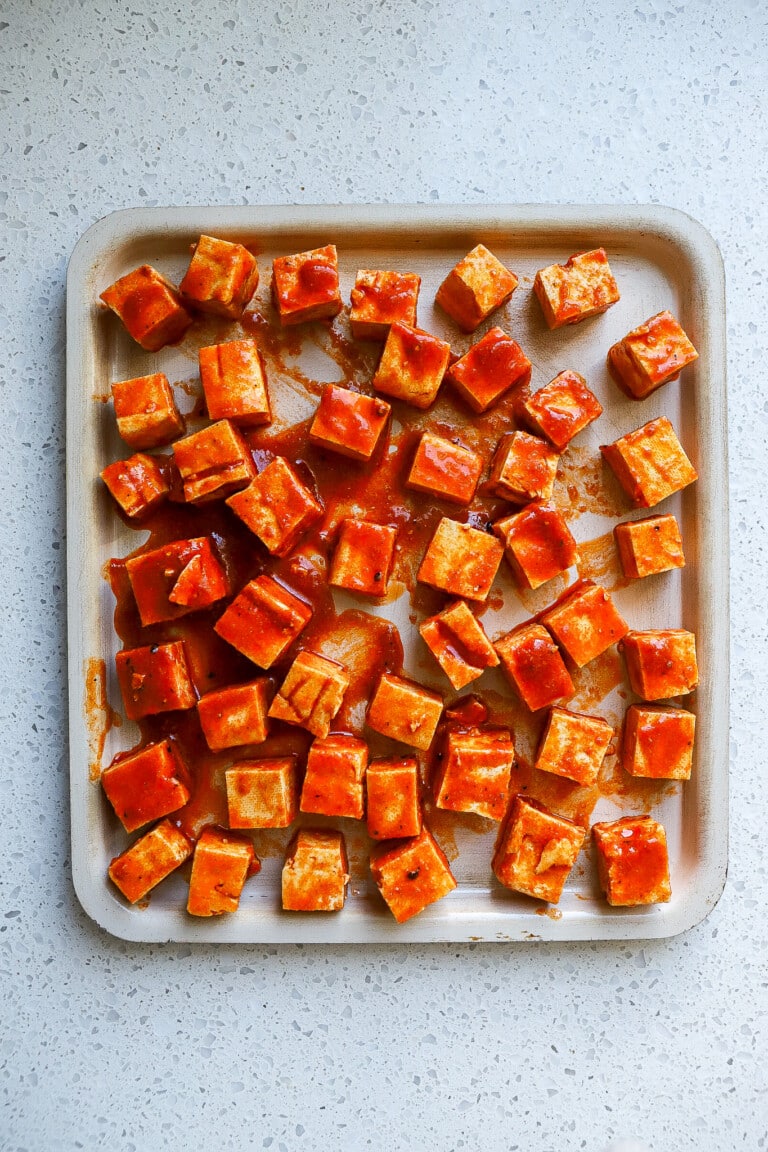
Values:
[(104, 1044)]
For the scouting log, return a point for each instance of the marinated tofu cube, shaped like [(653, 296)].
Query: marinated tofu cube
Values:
[(457, 641), (348, 423), (445, 469), (362, 560), (523, 469), (461, 560), (155, 679), (538, 544), (333, 782), (305, 286), (534, 667), (650, 463), (311, 693), (404, 711), (411, 875), (412, 365), (632, 861), (477, 286), (149, 307), (221, 278), (582, 287), (562, 409), (178, 578), (662, 663), (315, 873), (574, 746), (277, 507), (146, 412), (537, 850), (237, 715), (379, 299), (222, 863), (235, 383), (262, 793), (649, 546), (650, 356), (145, 785), (213, 462), (658, 742), (138, 484), (473, 775), (489, 369), (263, 620), (153, 857), (393, 801), (586, 623)]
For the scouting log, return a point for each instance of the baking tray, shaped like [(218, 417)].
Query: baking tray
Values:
[(661, 259)]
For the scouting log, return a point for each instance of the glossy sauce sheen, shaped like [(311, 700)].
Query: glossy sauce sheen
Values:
[(365, 644)]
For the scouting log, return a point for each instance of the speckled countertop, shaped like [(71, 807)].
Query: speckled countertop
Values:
[(105, 1044)]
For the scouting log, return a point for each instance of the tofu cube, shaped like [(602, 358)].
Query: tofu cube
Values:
[(586, 623), (574, 746), (473, 775), (277, 507), (155, 679), (220, 866), (404, 711), (650, 355), (153, 857), (146, 412), (378, 299), (649, 546), (412, 365), (311, 694), (262, 793), (138, 484), (562, 409), (235, 383), (393, 798), (333, 782), (315, 873), (149, 307), (632, 861), (582, 287), (523, 469), (263, 620), (213, 462), (305, 286), (461, 560), (661, 663), (237, 715), (221, 278), (538, 544), (456, 639), (650, 463), (658, 742), (411, 875), (536, 851), (145, 785), (489, 369), (181, 577), (348, 423), (445, 469), (534, 667), (477, 286), (363, 557)]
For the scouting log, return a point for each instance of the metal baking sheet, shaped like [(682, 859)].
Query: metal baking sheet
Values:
[(661, 259)]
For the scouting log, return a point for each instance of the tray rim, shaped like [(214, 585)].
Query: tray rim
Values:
[(668, 226)]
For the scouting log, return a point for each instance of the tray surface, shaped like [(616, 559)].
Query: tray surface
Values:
[(661, 259)]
